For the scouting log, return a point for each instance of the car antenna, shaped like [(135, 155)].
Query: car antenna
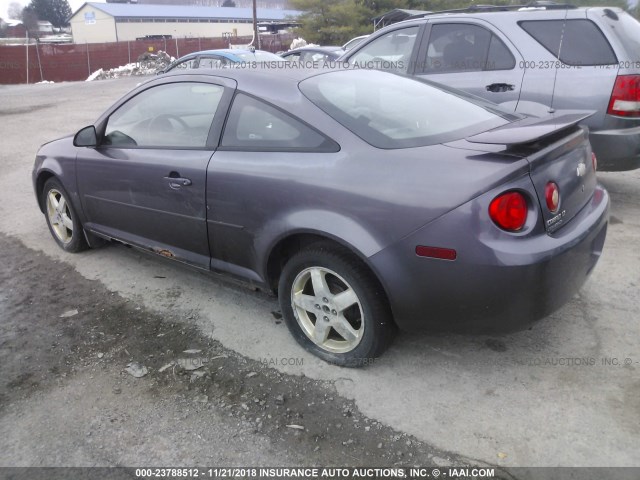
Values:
[(555, 77)]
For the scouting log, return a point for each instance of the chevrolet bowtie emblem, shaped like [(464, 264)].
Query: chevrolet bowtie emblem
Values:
[(581, 170)]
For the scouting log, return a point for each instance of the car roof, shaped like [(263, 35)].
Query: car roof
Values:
[(507, 12), (231, 53), (271, 84), (486, 9), (331, 48), (246, 77), (500, 16)]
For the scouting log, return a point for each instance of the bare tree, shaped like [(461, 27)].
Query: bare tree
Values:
[(30, 20), (14, 11)]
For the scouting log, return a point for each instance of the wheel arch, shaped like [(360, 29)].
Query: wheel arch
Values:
[(41, 179), (287, 246)]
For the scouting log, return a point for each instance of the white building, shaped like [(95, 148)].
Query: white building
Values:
[(45, 28), (117, 22)]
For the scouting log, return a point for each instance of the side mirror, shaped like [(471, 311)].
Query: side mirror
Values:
[(86, 137)]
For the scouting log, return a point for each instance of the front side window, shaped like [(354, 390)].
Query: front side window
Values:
[(392, 111), (185, 65), (389, 52), (315, 57), (255, 125), (293, 58), (170, 115), (212, 62), (462, 47), (574, 42)]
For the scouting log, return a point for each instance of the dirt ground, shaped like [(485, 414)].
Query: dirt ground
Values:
[(67, 342)]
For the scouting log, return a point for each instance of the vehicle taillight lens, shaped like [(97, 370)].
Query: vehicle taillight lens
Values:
[(509, 211), (625, 98), (594, 160), (552, 197)]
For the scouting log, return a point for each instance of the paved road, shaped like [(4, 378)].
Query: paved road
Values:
[(557, 394)]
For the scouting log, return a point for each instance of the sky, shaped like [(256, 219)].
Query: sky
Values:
[(4, 5)]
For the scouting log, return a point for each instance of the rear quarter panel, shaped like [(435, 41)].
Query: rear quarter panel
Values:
[(365, 197)]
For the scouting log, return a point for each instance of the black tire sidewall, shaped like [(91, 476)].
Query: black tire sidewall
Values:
[(375, 310), (77, 242)]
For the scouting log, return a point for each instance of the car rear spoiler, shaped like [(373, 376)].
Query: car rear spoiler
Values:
[(530, 129)]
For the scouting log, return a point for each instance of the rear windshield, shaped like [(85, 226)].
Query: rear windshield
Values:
[(391, 111), (576, 42), (258, 56)]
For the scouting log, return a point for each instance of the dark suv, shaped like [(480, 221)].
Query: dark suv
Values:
[(530, 60)]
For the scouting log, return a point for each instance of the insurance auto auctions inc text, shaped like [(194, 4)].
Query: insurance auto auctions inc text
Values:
[(373, 472)]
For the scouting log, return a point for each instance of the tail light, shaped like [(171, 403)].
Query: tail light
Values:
[(625, 98), (594, 161), (552, 197), (509, 211)]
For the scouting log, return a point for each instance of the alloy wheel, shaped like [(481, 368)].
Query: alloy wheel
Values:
[(327, 309)]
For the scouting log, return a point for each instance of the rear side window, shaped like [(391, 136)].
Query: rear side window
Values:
[(257, 126), (462, 47), (627, 30), (576, 42)]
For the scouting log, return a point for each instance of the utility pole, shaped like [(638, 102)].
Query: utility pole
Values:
[(256, 33)]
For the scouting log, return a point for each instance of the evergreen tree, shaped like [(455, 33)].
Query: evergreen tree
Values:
[(333, 22), (55, 11)]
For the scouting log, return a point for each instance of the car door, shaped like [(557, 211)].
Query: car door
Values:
[(471, 56), (265, 158), (145, 183)]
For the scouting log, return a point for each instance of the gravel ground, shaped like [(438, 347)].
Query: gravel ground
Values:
[(66, 397)]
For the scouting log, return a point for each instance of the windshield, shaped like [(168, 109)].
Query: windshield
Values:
[(392, 111), (258, 56)]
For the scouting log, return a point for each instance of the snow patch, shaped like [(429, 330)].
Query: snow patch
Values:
[(147, 64)]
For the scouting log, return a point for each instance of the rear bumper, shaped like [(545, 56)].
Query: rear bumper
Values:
[(496, 284), (617, 149)]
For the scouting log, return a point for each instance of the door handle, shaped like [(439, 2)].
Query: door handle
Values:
[(176, 181), (500, 87)]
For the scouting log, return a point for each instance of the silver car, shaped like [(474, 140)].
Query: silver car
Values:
[(529, 60)]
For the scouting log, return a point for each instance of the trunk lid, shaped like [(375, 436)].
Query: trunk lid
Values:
[(557, 151)]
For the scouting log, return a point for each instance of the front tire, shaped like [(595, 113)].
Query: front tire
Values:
[(334, 307), (62, 220)]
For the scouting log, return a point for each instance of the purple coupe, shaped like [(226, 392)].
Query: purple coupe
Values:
[(367, 200)]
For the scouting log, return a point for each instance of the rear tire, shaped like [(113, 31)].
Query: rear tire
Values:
[(61, 217), (334, 307)]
